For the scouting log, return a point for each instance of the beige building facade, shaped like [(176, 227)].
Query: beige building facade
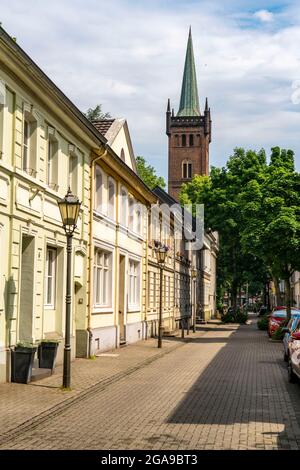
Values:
[(46, 146)]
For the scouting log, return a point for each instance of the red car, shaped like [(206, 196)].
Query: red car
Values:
[(276, 319)]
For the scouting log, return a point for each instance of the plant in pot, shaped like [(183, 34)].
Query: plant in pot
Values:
[(22, 357), (47, 353)]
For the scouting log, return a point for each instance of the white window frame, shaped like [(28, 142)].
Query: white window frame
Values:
[(131, 214), (26, 144), (73, 168), (186, 166), (134, 290), (111, 206), (50, 278), (52, 159), (99, 202), (102, 278), (123, 206)]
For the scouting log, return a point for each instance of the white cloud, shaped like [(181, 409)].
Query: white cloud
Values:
[(129, 56), (264, 15)]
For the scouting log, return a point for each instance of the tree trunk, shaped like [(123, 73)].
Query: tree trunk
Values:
[(234, 294), (277, 291), (288, 292)]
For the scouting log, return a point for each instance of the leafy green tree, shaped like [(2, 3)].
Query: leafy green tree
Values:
[(148, 174), (220, 193), (271, 218), (255, 207), (94, 114)]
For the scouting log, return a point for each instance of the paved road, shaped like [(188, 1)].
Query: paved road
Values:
[(225, 390)]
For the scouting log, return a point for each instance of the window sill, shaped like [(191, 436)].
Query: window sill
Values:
[(99, 310), (104, 218), (134, 309)]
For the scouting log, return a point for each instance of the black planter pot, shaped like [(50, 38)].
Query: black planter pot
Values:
[(21, 364), (47, 355)]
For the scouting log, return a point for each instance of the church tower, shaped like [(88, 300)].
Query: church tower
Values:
[(189, 132)]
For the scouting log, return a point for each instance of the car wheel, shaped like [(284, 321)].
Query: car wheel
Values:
[(291, 375)]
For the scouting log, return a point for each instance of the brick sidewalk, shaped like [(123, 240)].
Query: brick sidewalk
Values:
[(226, 388), (24, 403)]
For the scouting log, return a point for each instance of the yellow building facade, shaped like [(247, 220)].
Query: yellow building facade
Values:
[(46, 146)]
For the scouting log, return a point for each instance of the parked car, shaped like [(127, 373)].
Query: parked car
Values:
[(294, 355), (292, 325), (277, 318)]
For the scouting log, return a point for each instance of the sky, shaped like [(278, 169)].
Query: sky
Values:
[(129, 56)]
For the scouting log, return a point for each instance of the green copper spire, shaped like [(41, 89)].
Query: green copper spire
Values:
[(189, 101)]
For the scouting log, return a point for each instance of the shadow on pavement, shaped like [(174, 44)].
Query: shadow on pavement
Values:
[(245, 382)]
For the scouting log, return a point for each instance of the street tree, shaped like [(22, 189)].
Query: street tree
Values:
[(148, 174), (271, 218)]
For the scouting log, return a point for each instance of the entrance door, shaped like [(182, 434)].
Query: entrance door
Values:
[(26, 290), (122, 299)]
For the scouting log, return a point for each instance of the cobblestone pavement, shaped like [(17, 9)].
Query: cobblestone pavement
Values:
[(226, 389)]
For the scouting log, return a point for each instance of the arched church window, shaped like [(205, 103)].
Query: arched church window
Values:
[(191, 140), (186, 170), (183, 140), (177, 140)]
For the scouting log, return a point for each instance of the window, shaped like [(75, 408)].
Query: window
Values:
[(131, 213), (152, 285), (2, 103), (50, 277), (7, 126), (124, 201), (138, 219), (191, 140), (111, 198), (26, 143), (73, 167), (177, 140), (99, 189), (52, 159), (154, 289), (102, 278), (149, 288), (183, 140), (186, 170), (134, 288), (29, 144)]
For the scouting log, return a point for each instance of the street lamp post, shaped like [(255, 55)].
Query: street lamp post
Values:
[(194, 273), (161, 252), (69, 210)]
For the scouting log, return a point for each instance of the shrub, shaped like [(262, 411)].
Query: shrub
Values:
[(235, 317), (262, 323), (279, 334)]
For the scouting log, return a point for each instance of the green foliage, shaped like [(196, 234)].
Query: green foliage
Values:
[(278, 334), (263, 322), (235, 317), (94, 114), (254, 205), (25, 344), (148, 174)]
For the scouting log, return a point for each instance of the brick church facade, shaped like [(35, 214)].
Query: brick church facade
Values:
[(189, 132)]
